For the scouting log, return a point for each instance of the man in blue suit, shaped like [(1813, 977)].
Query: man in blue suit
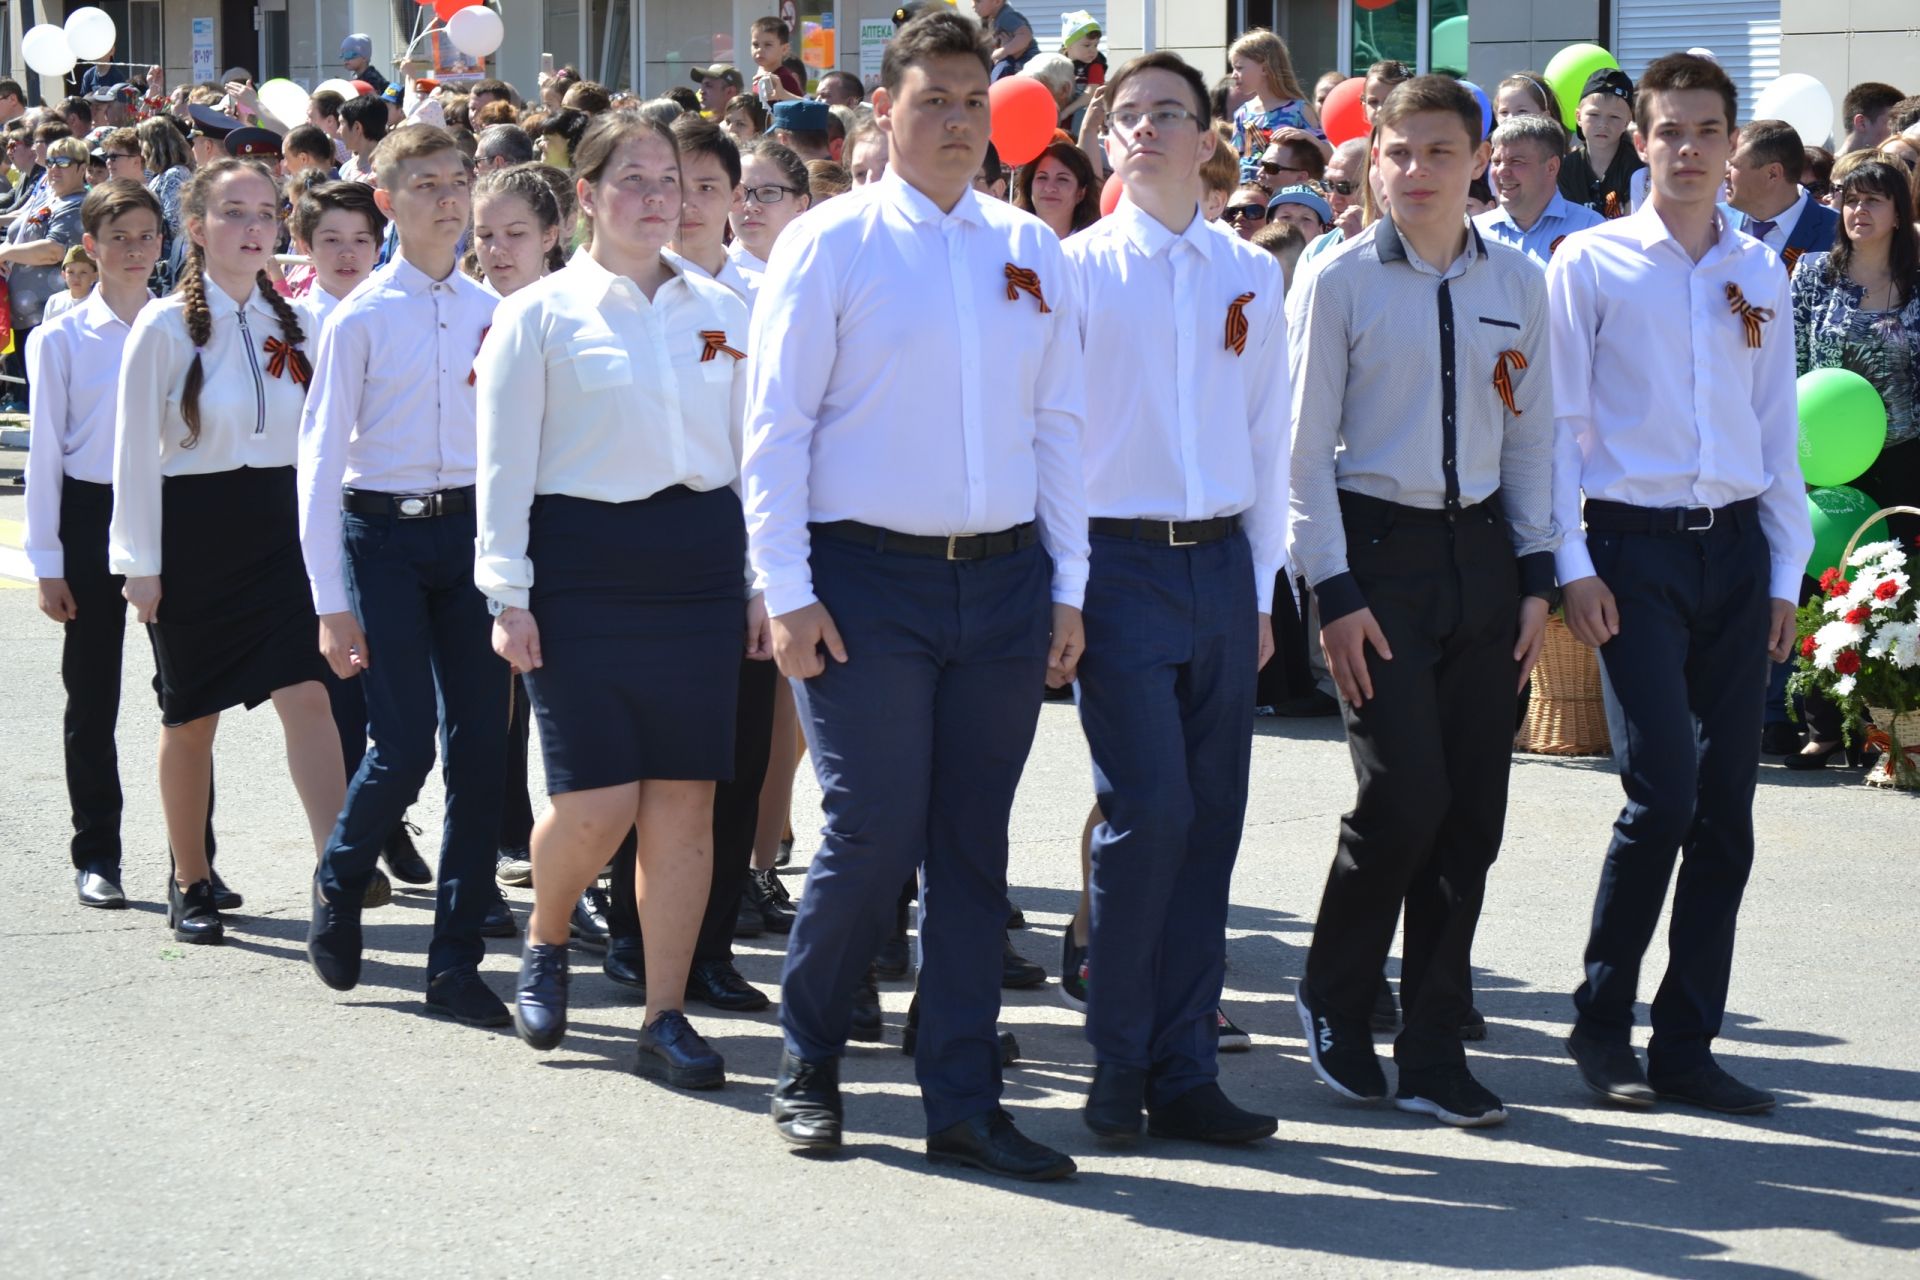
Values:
[(1774, 209)]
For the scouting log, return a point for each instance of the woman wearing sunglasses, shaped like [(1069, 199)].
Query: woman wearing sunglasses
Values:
[(773, 192), (38, 241)]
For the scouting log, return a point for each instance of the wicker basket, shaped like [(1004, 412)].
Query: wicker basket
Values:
[(1567, 715), (1893, 734)]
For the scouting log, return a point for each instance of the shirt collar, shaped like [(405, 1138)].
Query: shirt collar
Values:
[(908, 198), (219, 303), (1391, 248), (1650, 229), (407, 278), (729, 274), (603, 282), (97, 315), (1152, 237)]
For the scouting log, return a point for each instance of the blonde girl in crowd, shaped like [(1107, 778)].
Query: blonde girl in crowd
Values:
[(1263, 70), (204, 521)]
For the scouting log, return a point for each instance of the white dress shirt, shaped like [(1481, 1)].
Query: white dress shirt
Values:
[(392, 405), (587, 388), (74, 366), (315, 306), (1658, 399), (895, 383), (1179, 426), (248, 417), (744, 286), (750, 266)]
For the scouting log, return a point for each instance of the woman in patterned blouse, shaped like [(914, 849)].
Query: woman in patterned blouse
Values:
[(1858, 308)]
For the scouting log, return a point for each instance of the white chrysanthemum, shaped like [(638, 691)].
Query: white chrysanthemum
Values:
[(1843, 686), (1902, 641), (1877, 551), (1831, 639), (1836, 606)]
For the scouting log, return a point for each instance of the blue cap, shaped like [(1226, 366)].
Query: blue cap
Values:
[(356, 46), (1302, 195), (801, 116)]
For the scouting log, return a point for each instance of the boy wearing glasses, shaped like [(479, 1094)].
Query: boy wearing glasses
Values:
[(1423, 521), (1186, 474), (922, 547)]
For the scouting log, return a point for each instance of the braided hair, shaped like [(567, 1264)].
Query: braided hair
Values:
[(193, 290)]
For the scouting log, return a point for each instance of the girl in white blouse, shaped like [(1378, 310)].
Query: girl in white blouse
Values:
[(612, 546), (204, 524)]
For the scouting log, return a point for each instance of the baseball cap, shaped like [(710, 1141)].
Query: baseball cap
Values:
[(356, 46), (719, 71), (1613, 82), (1302, 195)]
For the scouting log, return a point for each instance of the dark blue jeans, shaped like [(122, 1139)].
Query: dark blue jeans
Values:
[(918, 741), (1166, 698), (431, 669), (1684, 680)]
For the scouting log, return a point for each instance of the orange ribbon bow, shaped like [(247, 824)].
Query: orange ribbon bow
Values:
[(1791, 257), (1020, 280), (282, 356), (473, 374), (1237, 324), (1503, 377), (716, 340), (1751, 316), (1613, 204)]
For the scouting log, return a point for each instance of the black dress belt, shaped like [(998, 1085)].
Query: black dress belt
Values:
[(408, 506), (958, 546), (1620, 517), (1166, 533)]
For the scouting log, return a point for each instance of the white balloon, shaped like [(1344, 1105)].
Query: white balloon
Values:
[(344, 88), (285, 101), (1802, 102), (45, 50), (476, 30), (90, 34)]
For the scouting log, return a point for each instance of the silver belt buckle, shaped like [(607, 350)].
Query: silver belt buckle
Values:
[(413, 507), (953, 543), (1691, 527), (1173, 541)]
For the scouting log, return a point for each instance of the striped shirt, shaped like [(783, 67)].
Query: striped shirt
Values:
[(1396, 395)]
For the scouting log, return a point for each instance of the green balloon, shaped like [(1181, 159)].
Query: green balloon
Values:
[(1567, 73), (1836, 512), (1843, 425), (1447, 46)]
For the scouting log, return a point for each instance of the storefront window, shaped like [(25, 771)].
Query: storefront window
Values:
[(1382, 29)]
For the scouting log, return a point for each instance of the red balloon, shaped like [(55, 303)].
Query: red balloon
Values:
[(1343, 116), (445, 9), (1110, 195), (362, 87), (1024, 117), (1374, 4)]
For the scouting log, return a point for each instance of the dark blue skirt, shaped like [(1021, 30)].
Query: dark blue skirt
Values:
[(643, 614)]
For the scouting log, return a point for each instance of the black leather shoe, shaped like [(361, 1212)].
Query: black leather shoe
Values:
[(806, 1102), (770, 901), (1204, 1114), (719, 984), (98, 890), (191, 913), (499, 921), (671, 1050), (379, 890), (893, 961), (1016, 918), (224, 898), (1475, 1026), (1611, 1070), (991, 1144), (1116, 1101), (1017, 972), (1711, 1087), (589, 919), (460, 994), (333, 941), (866, 1024), (402, 859), (626, 964), (540, 1000)]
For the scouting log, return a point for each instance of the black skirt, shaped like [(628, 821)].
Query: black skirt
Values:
[(236, 619), (642, 615)]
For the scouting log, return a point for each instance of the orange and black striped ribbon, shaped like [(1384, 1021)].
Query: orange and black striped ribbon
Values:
[(1792, 258), (1021, 280), (1750, 316), (1555, 246), (473, 374), (1237, 324), (1613, 204), (282, 355), (1503, 377), (716, 340)]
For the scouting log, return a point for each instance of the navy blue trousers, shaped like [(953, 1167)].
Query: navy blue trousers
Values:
[(432, 669), (1683, 681), (918, 741), (1167, 704)]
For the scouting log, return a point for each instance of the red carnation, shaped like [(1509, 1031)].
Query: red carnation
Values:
[(1807, 647), (1828, 577), (1857, 616), (1886, 590), (1838, 587), (1847, 662)]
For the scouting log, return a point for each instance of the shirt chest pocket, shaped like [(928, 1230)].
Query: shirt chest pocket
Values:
[(599, 364), (1489, 345)]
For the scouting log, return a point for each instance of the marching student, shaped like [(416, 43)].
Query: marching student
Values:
[(1686, 575), (75, 363), (1186, 464), (387, 458), (612, 551), (1422, 520), (207, 421), (922, 544)]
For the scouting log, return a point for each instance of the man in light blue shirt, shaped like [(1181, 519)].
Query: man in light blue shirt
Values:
[(1533, 216)]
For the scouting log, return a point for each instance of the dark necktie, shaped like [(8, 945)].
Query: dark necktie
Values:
[(1760, 228)]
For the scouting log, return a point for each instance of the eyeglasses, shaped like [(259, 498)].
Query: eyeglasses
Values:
[(1247, 212), (62, 162), (1342, 188), (1820, 190), (770, 194), (1159, 118)]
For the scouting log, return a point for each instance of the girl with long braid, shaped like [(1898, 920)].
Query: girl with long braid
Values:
[(210, 397)]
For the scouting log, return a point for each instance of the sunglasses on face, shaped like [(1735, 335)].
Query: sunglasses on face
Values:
[(1342, 188), (1247, 212), (120, 155), (1273, 169), (62, 162)]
